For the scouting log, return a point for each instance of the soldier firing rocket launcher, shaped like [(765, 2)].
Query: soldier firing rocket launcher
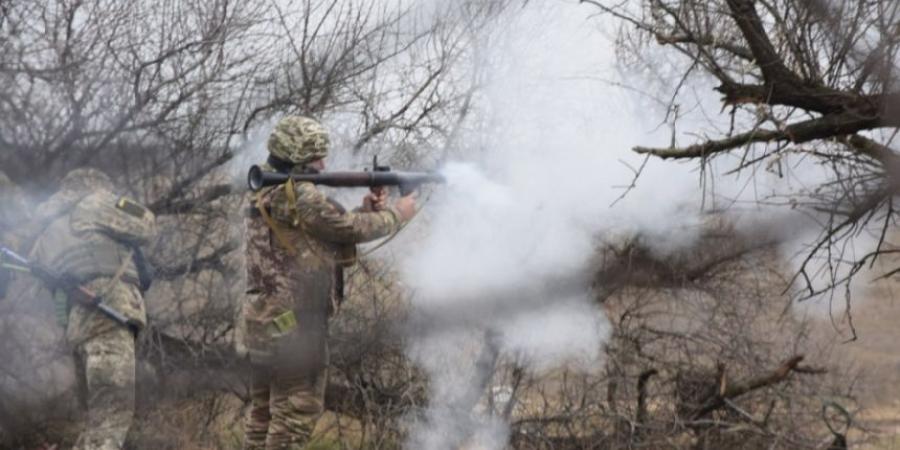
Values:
[(408, 182)]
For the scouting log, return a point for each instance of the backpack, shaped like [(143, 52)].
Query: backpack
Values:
[(125, 221)]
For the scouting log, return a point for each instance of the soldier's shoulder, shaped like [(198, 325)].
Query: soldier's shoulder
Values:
[(97, 200), (58, 205), (306, 187), (105, 200), (307, 192), (118, 216), (306, 195)]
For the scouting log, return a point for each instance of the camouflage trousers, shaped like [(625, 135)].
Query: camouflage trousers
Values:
[(287, 383), (105, 368)]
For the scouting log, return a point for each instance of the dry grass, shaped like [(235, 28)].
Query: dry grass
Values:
[(875, 355)]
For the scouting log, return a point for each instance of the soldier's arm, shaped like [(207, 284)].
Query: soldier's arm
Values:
[(324, 221)]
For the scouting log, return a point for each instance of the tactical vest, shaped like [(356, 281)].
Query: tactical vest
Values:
[(259, 249), (97, 238), (300, 253)]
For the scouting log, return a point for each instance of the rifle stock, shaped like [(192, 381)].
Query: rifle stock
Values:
[(75, 291)]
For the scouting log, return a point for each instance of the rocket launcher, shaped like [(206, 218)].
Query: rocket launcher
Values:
[(257, 178)]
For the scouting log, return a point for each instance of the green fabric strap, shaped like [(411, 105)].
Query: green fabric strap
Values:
[(61, 307)]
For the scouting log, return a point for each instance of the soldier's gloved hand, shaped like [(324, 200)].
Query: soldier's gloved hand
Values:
[(376, 200), (406, 206)]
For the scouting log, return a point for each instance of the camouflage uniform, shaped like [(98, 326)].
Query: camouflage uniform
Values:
[(86, 239), (296, 245)]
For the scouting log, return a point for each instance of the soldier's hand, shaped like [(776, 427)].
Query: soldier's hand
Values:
[(376, 200), (406, 206)]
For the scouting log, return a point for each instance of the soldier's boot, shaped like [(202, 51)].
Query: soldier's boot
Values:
[(109, 373)]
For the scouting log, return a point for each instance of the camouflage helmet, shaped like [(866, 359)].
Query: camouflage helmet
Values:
[(86, 178), (298, 140), (84, 181)]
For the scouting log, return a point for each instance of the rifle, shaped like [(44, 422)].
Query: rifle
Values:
[(408, 182), (73, 289)]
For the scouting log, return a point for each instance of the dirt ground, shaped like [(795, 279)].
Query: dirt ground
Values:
[(875, 355)]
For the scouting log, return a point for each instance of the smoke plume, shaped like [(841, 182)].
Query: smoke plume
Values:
[(502, 270)]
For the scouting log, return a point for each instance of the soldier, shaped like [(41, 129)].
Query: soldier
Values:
[(298, 241), (93, 236)]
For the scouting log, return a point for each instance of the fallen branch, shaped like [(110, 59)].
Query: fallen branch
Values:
[(737, 389)]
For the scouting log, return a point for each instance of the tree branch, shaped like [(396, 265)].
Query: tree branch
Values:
[(774, 71), (211, 261), (187, 205), (740, 388), (797, 133)]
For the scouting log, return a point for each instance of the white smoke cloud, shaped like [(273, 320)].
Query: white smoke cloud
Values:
[(508, 227)]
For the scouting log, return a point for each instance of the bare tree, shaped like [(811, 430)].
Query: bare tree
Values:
[(163, 96), (803, 82)]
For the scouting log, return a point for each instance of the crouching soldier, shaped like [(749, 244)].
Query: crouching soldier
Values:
[(92, 236)]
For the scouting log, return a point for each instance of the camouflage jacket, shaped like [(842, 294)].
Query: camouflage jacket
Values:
[(91, 241), (292, 266)]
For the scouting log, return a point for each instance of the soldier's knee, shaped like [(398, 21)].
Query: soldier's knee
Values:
[(293, 420), (305, 404), (109, 372), (298, 401), (105, 371)]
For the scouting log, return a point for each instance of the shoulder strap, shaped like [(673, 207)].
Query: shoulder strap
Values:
[(276, 230)]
